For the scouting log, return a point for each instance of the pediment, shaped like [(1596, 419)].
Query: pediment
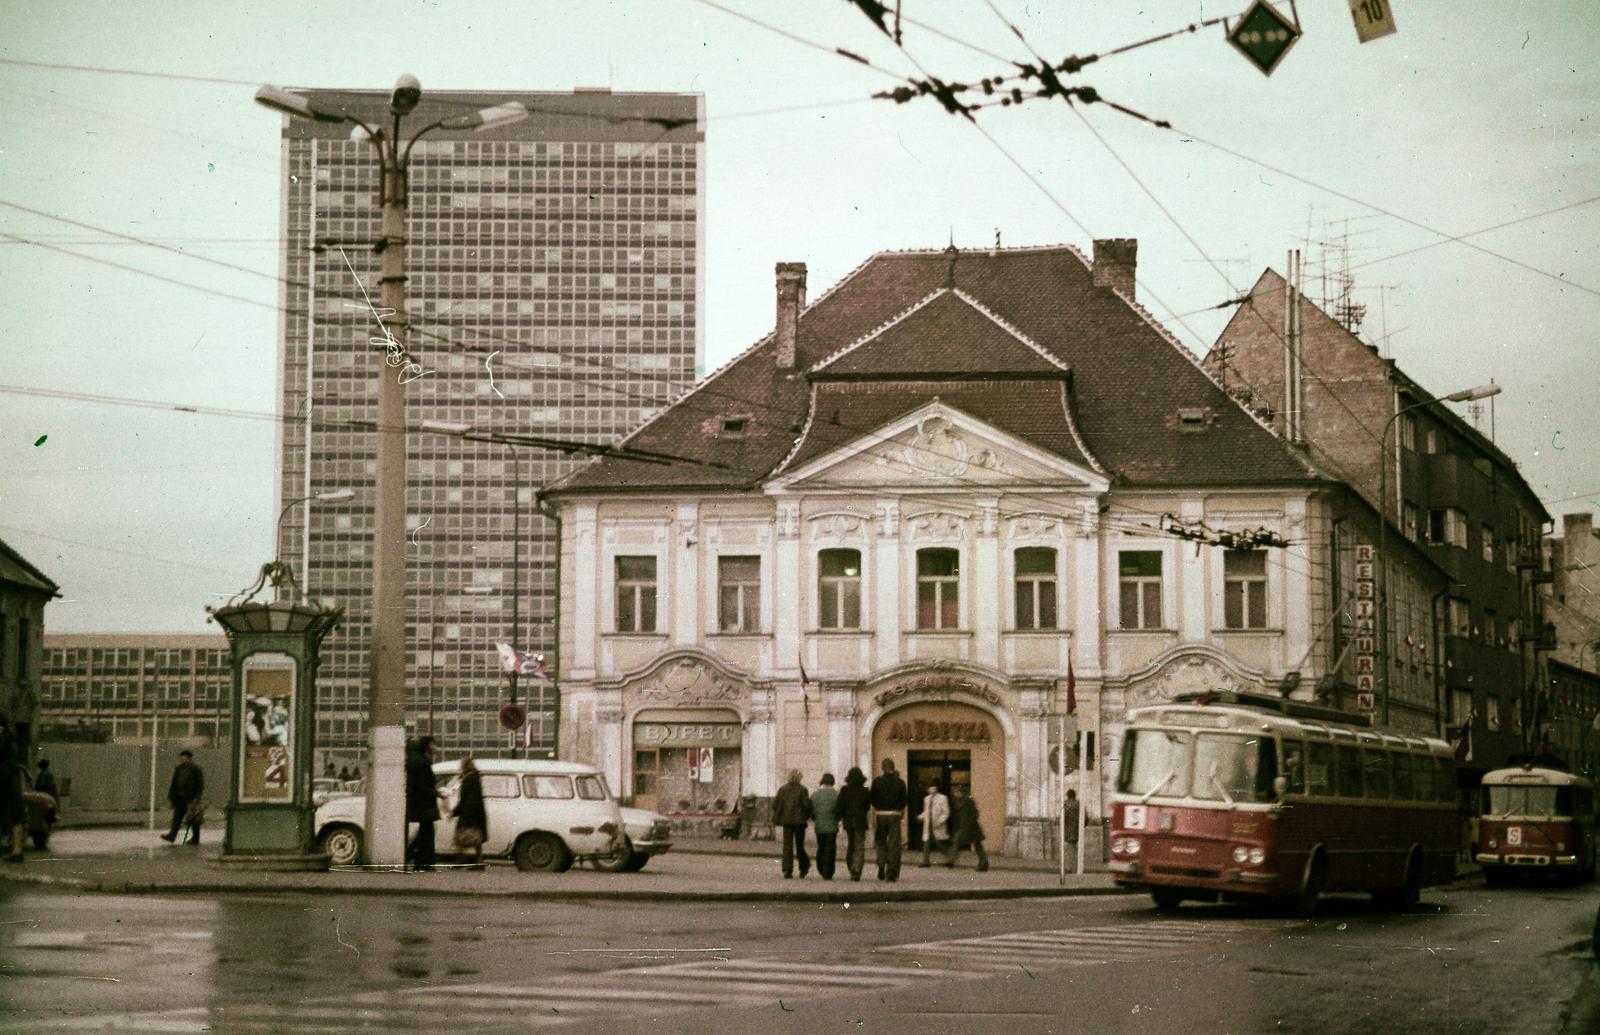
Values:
[(938, 446)]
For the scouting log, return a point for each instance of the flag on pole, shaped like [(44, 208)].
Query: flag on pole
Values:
[(523, 662), (1072, 688), (1464, 741), (805, 698)]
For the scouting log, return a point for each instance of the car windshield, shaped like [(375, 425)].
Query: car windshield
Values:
[(1155, 762), (1231, 768), (1526, 801)]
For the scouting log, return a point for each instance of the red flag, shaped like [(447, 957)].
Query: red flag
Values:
[(805, 698), (1072, 688)]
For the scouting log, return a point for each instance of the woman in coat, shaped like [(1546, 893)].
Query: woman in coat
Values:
[(472, 820)]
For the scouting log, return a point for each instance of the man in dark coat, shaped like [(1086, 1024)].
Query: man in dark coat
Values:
[(854, 804), (966, 832), (888, 803), (188, 783), (422, 802), (791, 809)]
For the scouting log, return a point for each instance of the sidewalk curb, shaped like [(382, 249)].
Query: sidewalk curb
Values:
[(862, 897)]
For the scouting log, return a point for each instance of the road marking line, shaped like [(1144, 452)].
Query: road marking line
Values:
[(574, 991), (49, 939)]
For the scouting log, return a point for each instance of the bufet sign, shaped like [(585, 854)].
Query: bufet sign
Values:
[(512, 716)]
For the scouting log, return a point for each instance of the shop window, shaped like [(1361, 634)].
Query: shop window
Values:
[(839, 589), (1244, 589), (1139, 587), (636, 594), (646, 771), (739, 594), (938, 589), (1036, 588)]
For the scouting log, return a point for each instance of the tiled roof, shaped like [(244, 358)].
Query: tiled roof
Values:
[(1034, 410), (15, 569), (1129, 378), (946, 333)]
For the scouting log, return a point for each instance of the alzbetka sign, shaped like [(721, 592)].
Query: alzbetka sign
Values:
[(937, 731), (937, 684)]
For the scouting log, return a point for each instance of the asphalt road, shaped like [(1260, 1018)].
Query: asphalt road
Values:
[(1466, 960)]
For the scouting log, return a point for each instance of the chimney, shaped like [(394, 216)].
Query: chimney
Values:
[(791, 299), (1115, 260), (1578, 537)]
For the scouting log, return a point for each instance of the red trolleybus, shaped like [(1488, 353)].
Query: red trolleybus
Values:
[(1246, 795), (1535, 818)]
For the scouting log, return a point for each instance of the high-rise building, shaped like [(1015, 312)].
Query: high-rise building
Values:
[(554, 289)]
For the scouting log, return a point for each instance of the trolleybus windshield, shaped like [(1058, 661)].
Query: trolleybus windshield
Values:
[(1529, 801), (1225, 767)]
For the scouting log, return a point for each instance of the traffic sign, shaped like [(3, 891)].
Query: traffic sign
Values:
[(1374, 19), (512, 716), (1263, 36)]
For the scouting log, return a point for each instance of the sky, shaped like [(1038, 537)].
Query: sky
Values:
[(1370, 157)]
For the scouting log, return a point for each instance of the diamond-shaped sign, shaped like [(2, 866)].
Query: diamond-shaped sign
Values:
[(1263, 36)]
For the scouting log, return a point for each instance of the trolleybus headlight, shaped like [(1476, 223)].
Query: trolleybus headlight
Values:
[(1561, 846), (1240, 853), (1257, 856), (1493, 843), (1126, 845)]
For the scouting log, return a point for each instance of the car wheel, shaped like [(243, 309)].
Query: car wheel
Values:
[(1409, 893), (1311, 885), (619, 860), (41, 838), (542, 853), (636, 861), (343, 845)]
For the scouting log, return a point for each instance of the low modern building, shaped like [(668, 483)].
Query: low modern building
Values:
[(24, 591), (914, 508), (1443, 486), (129, 688)]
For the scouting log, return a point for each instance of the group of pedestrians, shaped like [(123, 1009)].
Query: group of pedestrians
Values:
[(422, 807), (946, 827)]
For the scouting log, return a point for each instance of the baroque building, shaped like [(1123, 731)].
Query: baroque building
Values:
[(910, 509)]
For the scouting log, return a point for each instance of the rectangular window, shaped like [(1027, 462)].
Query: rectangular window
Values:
[(1139, 584), (24, 628), (1410, 520), (1422, 772), (1400, 782), (1349, 759), (1375, 772), (1488, 544), (1244, 589), (839, 589), (1294, 770), (1408, 433), (1447, 527), (1319, 768), (1036, 588), (1457, 617), (1491, 705), (498, 785), (547, 786), (1432, 439), (739, 594), (938, 589), (636, 594)]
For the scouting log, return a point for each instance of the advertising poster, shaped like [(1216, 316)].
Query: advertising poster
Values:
[(267, 728)]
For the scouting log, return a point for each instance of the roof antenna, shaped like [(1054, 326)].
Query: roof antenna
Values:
[(996, 242), (951, 252)]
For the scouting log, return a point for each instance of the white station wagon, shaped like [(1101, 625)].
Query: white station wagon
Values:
[(542, 814)]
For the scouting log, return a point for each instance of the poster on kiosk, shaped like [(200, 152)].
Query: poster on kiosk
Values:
[(266, 771)]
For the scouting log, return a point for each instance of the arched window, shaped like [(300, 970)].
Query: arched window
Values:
[(938, 589)]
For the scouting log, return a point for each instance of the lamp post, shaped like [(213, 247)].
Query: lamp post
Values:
[(386, 648), (1465, 395), (331, 496)]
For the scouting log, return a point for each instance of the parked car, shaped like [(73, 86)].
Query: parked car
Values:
[(645, 834), (542, 815), (323, 788)]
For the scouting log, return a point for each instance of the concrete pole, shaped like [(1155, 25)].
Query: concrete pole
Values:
[(386, 822)]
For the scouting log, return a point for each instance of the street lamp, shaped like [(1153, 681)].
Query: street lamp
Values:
[(387, 647), (1465, 395), (331, 496)]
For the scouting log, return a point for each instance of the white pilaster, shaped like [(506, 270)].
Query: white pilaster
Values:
[(1089, 606), (761, 746), (1194, 611), (685, 555), (608, 736), (886, 579), (1294, 567), (841, 732), (787, 614), (584, 617), (984, 578)]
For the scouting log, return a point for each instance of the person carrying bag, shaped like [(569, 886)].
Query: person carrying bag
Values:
[(472, 819)]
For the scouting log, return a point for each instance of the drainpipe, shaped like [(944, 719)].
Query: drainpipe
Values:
[(554, 516)]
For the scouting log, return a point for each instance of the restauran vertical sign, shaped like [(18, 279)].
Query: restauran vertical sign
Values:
[(1366, 636)]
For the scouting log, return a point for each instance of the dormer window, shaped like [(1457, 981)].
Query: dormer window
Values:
[(1193, 418), (734, 427)]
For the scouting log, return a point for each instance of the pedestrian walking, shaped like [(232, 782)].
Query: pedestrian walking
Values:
[(183, 794), (791, 809), (825, 821), (422, 803), (344, 772), (966, 831), (935, 822), (13, 817), (329, 772), (472, 819), (854, 805), (888, 798), (1069, 817)]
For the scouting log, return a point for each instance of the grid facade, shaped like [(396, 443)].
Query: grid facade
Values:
[(134, 686), (554, 289)]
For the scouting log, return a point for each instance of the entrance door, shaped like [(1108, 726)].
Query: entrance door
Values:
[(646, 778), (945, 768)]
